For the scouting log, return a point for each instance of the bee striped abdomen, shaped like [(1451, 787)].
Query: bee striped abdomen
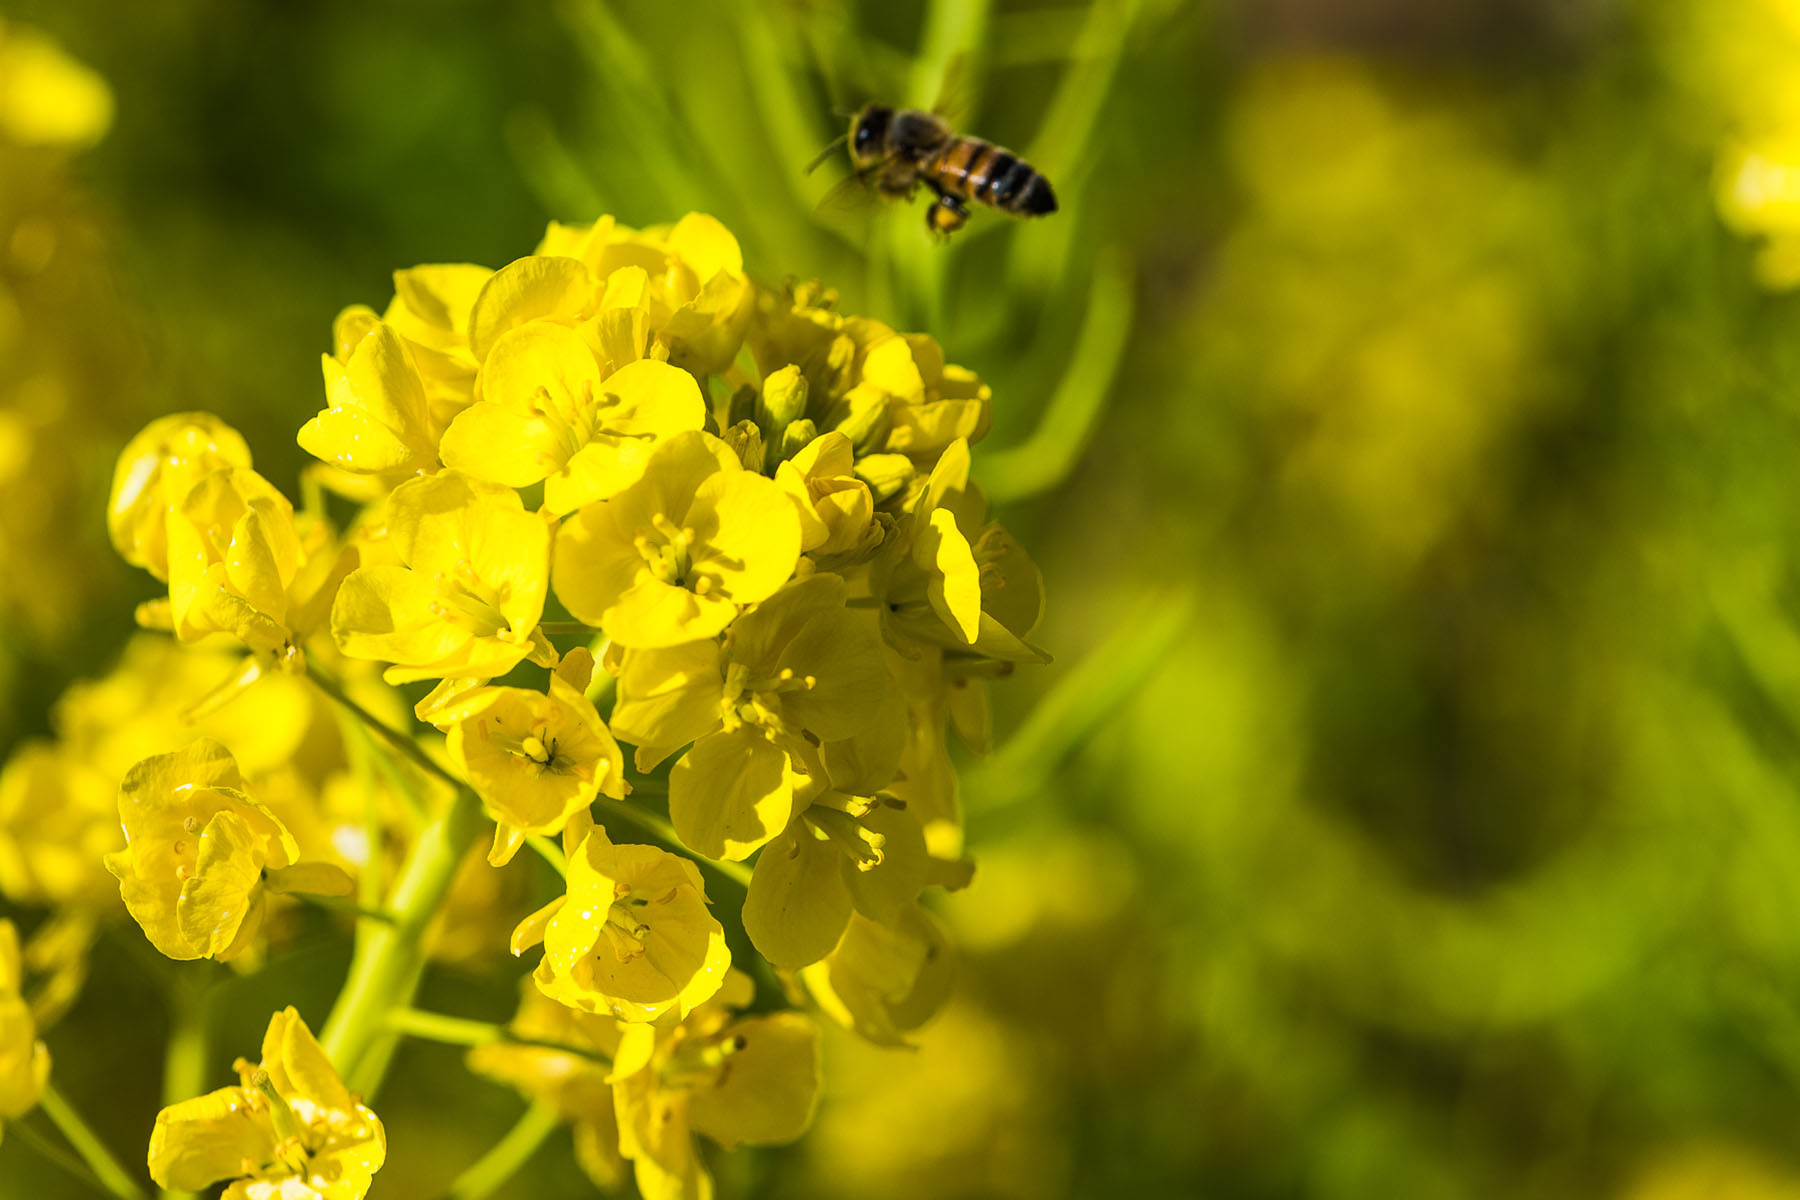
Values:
[(983, 172)]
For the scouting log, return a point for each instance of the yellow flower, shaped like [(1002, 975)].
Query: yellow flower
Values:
[(289, 1130), (431, 309), (574, 1081), (155, 472), (842, 854), (24, 1062), (466, 601), (673, 557), (750, 1081), (535, 759), (632, 937), (924, 403), (799, 671), (696, 297), (547, 413), (376, 419), (192, 873), (949, 578), (890, 393), (233, 553), (884, 979), (837, 510)]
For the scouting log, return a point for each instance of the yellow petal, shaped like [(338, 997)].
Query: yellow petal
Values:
[(797, 904), (747, 536), (199, 1142), (215, 902), (768, 1095), (527, 290), (668, 697), (731, 793)]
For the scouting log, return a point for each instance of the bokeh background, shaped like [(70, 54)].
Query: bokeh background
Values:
[(1404, 408)]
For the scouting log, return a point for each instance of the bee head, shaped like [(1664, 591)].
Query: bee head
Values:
[(868, 133)]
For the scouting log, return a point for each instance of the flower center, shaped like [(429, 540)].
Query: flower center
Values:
[(666, 551), (465, 602), (862, 845)]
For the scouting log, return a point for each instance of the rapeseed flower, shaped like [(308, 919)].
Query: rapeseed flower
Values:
[(675, 556), (465, 598), (201, 854), (535, 758), (288, 1130), (738, 1080), (632, 936), (548, 414)]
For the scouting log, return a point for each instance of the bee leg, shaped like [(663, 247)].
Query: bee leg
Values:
[(946, 215)]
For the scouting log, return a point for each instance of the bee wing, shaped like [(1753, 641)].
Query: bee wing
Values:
[(952, 102), (854, 191)]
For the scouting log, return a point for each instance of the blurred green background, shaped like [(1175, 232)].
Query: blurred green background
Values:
[(1404, 408)]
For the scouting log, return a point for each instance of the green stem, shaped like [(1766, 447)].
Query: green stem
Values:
[(572, 628), (463, 1031), (664, 833), (54, 1153), (92, 1150), (550, 852), (385, 969), (339, 904), (402, 742), (486, 1174), (185, 1053)]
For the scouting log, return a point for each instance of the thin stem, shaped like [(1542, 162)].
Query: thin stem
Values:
[(339, 904), (464, 1031), (550, 852), (185, 1053), (402, 742), (88, 1145), (664, 833), (486, 1174), (569, 628), (385, 969), (54, 1153)]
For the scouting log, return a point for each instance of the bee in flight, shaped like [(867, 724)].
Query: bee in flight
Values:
[(895, 151)]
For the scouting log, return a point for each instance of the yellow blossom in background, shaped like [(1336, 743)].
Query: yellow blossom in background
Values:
[(1739, 59), (289, 1129), (576, 1080), (24, 1062), (884, 980), (739, 1081)]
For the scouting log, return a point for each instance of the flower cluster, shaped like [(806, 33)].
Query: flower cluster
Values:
[(659, 552)]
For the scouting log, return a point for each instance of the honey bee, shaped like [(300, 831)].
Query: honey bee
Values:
[(895, 151)]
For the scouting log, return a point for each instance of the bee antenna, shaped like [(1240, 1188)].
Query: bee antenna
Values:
[(827, 152), (843, 114)]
